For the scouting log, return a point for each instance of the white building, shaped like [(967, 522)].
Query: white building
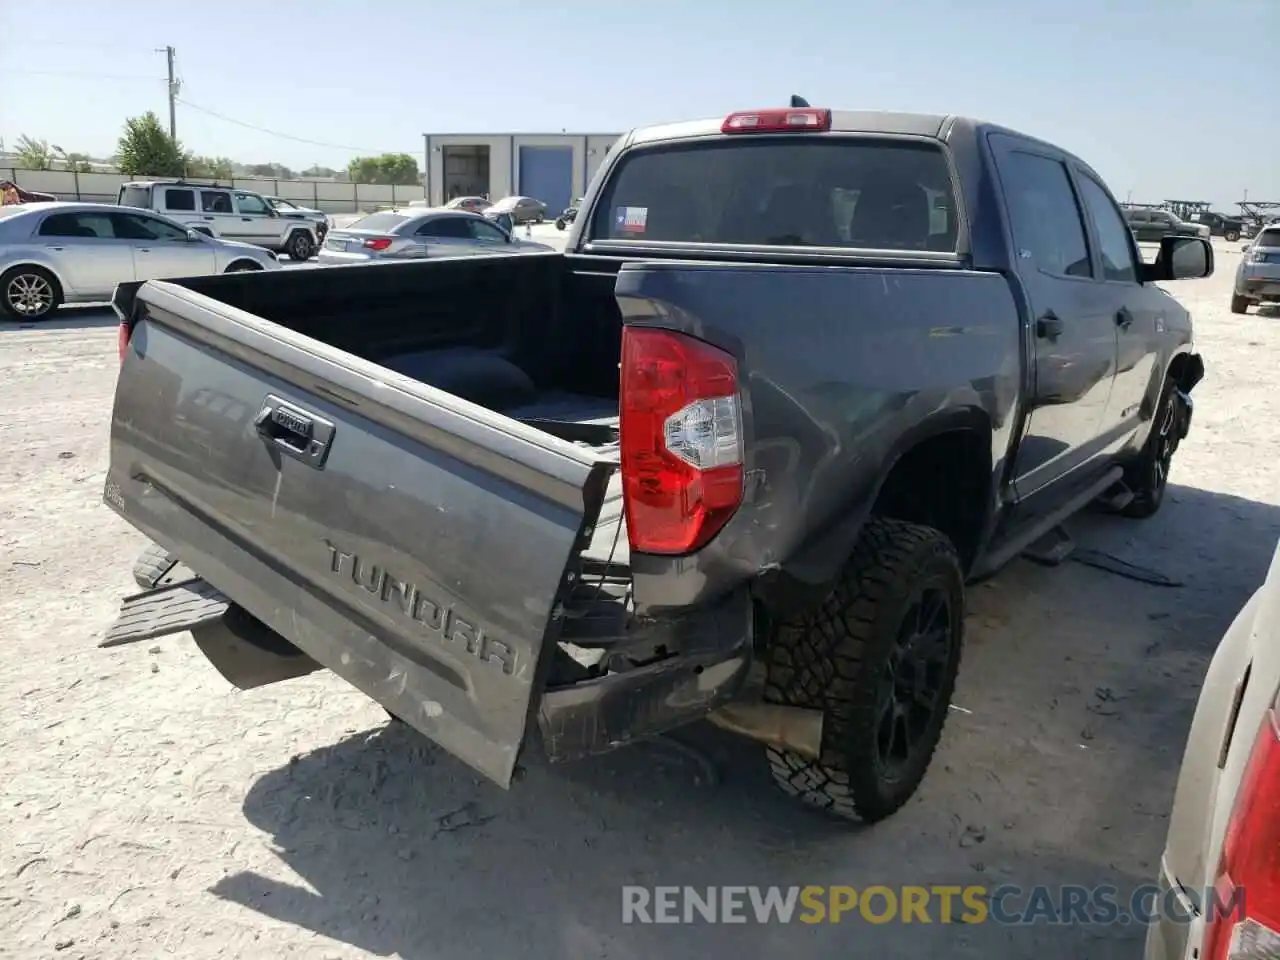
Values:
[(551, 167)]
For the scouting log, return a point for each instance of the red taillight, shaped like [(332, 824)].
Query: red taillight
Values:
[(378, 243), (680, 438), (797, 119), (1249, 873), (124, 331)]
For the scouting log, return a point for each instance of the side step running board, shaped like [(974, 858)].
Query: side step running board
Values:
[(1025, 538)]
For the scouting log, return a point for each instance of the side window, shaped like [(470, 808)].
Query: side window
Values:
[(86, 226), (215, 201), (486, 232), (179, 199), (1047, 228), (452, 228), (251, 205), (131, 226), (1113, 233)]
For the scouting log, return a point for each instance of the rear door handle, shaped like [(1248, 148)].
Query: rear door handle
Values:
[(1124, 319), (1049, 326), (295, 432)]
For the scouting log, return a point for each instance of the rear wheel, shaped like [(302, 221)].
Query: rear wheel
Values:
[(879, 658), (559, 223), (29, 293), (300, 246), (1239, 304), (1231, 236)]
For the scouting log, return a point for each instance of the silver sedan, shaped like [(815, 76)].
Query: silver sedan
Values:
[(410, 234), (56, 253)]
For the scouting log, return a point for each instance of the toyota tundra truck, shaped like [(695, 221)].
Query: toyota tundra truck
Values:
[(798, 378)]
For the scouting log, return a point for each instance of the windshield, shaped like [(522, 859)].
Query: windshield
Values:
[(135, 197), (831, 192), (507, 203), (281, 202), (381, 222)]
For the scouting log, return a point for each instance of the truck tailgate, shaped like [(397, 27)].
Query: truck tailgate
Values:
[(417, 545)]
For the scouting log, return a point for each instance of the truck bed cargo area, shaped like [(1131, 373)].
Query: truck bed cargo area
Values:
[(525, 336)]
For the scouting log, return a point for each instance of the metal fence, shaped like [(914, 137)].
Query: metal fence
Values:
[(331, 196)]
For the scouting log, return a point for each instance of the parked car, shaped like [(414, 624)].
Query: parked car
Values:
[(1258, 276), (56, 253), (11, 193), (1221, 225), (569, 214), (413, 234), (1150, 226), (474, 204), (521, 209), (589, 490), (290, 210), (224, 212), (1224, 830)]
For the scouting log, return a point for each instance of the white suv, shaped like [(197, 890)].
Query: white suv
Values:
[(224, 212)]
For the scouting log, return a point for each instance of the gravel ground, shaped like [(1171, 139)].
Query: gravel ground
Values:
[(151, 811)]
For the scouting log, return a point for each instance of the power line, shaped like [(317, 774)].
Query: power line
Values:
[(274, 133)]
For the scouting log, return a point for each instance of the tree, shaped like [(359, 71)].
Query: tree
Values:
[(34, 154), (211, 168), (276, 171), (397, 168), (318, 171), (79, 163), (146, 149)]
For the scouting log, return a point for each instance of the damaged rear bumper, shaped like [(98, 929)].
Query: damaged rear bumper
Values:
[(692, 665), (649, 676)]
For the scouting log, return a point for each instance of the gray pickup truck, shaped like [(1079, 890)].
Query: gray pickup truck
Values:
[(800, 376)]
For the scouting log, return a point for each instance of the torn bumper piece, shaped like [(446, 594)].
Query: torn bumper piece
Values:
[(705, 662)]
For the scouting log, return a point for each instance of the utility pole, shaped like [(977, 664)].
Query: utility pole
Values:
[(173, 93)]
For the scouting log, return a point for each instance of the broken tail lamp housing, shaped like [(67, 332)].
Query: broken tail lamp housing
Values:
[(788, 120)]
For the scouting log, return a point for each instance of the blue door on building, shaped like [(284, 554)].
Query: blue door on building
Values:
[(546, 174)]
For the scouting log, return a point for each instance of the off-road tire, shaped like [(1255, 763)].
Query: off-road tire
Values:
[(1231, 236), (559, 223), (300, 246), (152, 565), (835, 659), (1239, 304), (7, 312), (1147, 483)]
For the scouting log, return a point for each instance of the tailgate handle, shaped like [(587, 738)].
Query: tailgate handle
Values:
[(295, 432)]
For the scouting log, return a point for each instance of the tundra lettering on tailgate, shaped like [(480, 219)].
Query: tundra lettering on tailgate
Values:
[(410, 600)]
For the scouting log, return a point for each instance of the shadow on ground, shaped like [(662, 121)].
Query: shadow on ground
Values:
[(68, 318), (1057, 768)]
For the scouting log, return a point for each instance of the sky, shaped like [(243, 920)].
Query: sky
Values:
[(1167, 99)]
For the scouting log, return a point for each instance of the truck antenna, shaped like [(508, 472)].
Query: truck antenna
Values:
[(798, 102)]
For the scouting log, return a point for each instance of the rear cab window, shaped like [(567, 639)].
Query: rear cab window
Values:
[(135, 197), (855, 192)]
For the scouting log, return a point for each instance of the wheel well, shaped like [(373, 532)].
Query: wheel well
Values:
[(943, 482), (57, 280), (1186, 371), (250, 264)]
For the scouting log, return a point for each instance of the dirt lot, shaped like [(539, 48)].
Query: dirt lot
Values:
[(150, 811)]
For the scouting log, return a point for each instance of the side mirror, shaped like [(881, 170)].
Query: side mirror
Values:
[(1245, 246), (195, 236), (1181, 258)]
